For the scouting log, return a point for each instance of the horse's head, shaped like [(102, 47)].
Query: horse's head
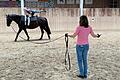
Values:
[(8, 19)]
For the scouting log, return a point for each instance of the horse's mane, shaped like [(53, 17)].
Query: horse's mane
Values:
[(12, 14), (15, 15)]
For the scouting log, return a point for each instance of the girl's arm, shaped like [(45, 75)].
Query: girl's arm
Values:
[(72, 35), (95, 35)]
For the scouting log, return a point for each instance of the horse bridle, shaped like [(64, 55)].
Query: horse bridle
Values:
[(9, 18)]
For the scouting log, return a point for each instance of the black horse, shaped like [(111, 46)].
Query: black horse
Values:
[(39, 22)]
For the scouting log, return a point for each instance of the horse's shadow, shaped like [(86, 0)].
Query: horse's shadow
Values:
[(33, 40)]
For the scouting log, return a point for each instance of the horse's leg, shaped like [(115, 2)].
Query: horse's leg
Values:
[(26, 34), (18, 34), (46, 29), (48, 35), (42, 32)]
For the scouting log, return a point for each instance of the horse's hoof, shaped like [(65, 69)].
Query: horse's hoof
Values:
[(40, 39), (15, 40), (49, 37), (28, 39)]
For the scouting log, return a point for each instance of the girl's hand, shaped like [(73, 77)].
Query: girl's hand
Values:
[(98, 35), (66, 34)]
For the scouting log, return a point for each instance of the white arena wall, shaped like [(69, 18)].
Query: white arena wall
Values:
[(65, 19)]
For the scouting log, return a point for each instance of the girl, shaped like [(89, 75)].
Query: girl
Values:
[(82, 45)]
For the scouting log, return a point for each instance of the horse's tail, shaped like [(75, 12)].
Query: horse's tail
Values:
[(47, 27)]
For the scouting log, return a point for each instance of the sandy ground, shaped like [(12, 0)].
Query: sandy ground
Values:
[(25, 60)]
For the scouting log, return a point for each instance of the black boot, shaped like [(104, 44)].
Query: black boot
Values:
[(80, 76), (85, 76)]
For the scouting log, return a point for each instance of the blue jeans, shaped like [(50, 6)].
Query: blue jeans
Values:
[(82, 52)]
